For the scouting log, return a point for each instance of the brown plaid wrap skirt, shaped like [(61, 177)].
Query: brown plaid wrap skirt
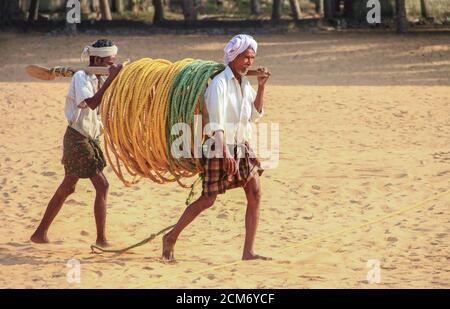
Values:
[(82, 157), (217, 181)]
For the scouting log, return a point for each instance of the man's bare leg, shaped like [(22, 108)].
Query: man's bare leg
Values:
[(253, 192), (66, 188), (190, 213), (101, 186)]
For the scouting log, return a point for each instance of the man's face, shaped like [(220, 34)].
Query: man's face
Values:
[(242, 63), (105, 61)]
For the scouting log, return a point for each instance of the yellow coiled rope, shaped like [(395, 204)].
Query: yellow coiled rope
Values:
[(139, 108)]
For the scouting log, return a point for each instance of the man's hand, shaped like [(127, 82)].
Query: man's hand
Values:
[(114, 69), (231, 165), (95, 101), (263, 79)]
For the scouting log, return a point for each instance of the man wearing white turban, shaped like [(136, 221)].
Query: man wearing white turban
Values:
[(237, 46), (82, 156), (231, 106)]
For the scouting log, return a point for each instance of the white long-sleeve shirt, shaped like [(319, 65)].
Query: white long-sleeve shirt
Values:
[(230, 107), (79, 116)]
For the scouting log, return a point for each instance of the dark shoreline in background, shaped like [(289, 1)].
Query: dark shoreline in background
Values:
[(213, 27)]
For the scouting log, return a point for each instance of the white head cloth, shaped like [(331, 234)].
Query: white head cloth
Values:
[(237, 45), (90, 50)]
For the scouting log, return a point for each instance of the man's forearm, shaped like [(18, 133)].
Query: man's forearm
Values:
[(259, 101), (98, 96), (219, 141)]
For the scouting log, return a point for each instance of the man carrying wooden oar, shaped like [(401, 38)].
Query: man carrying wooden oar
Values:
[(231, 105), (82, 156)]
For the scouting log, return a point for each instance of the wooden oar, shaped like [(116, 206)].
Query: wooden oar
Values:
[(44, 73)]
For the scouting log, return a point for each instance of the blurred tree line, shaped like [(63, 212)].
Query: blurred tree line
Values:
[(189, 10)]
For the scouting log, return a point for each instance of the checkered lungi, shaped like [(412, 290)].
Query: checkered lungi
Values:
[(217, 181), (83, 157)]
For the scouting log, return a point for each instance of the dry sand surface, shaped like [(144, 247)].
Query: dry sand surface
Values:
[(364, 132)]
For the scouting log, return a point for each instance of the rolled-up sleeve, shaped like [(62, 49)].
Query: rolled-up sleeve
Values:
[(214, 102), (255, 114)]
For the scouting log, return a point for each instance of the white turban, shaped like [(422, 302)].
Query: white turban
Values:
[(237, 45), (102, 52)]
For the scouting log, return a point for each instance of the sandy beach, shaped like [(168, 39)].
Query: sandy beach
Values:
[(364, 132)]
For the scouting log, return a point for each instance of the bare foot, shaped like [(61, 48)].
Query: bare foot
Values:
[(168, 248), (39, 238), (102, 243), (251, 256)]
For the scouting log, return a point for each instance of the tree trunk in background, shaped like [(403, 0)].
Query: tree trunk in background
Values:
[(120, 6), (23, 6), (255, 7), (104, 8), (402, 22), (33, 11), (85, 7), (159, 11), (130, 5), (318, 6), (8, 10), (189, 11), (348, 9), (424, 8), (295, 8), (277, 9), (117, 6), (328, 9), (172, 6)]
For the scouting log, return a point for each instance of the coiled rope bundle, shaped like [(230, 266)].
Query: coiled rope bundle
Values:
[(140, 107)]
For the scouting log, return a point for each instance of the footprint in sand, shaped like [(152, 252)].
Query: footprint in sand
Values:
[(223, 215), (74, 202), (16, 244), (48, 174), (402, 175), (84, 233), (308, 217), (276, 210), (97, 272), (57, 275), (443, 173), (441, 235)]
